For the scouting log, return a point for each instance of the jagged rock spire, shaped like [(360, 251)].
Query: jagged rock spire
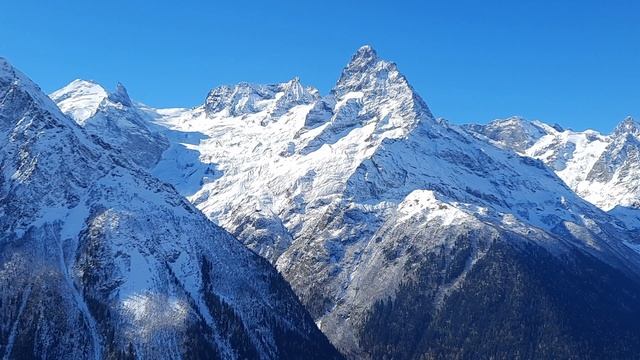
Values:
[(245, 98), (364, 57), (379, 79), (293, 93), (361, 70), (24, 91), (120, 95), (79, 99)]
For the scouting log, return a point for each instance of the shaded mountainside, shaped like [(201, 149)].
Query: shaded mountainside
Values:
[(516, 302), (403, 235), (98, 259)]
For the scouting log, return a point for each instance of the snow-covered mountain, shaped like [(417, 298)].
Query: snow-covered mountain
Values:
[(113, 117), (603, 169), (403, 235), (80, 99), (98, 259)]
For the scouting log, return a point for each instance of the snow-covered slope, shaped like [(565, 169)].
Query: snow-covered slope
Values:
[(603, 169), (397, 230), (98, 259), (114, 118)]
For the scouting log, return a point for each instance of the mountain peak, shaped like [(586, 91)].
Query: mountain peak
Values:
[(293, 85), (373, 79), (11, 74), (246, 98), (295, 90), (83, 83), (514, 132), (363, 56), (364, 59), (79, 87), (366, 70), (79, 99), (5, 67), (7, 71), (627, 126), (293, 93), (512, 120), (294, 81), (12, 79), (120, 95)]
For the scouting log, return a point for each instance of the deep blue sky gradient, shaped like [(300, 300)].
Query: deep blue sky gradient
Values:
[(576, 63)]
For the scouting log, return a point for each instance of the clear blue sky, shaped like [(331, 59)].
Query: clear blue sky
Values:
[(576, 63)]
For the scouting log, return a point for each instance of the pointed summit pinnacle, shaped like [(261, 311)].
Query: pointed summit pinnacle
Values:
[(363, 58), (366, 50), (293, 93), (629, 121), (360, 71), (4, 65), (120, 95), (627, 126)]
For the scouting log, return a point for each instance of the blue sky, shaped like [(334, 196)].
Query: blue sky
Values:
[(576, 63)]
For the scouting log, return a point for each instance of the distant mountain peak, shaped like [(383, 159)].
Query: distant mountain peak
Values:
[(364, 70), (237, 99), (246, 98), (5, 68), (363, 57), (293, 93), (79, 99), (120, 95), (294, 87), (627, 126), (295, 80), (515, 120), (514, 132), (81, 83), (377, 79), (14, 81)]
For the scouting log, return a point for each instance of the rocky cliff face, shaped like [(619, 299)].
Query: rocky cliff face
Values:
[(98, 259)]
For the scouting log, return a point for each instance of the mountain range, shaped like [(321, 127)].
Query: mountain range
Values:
[(402, 235)]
